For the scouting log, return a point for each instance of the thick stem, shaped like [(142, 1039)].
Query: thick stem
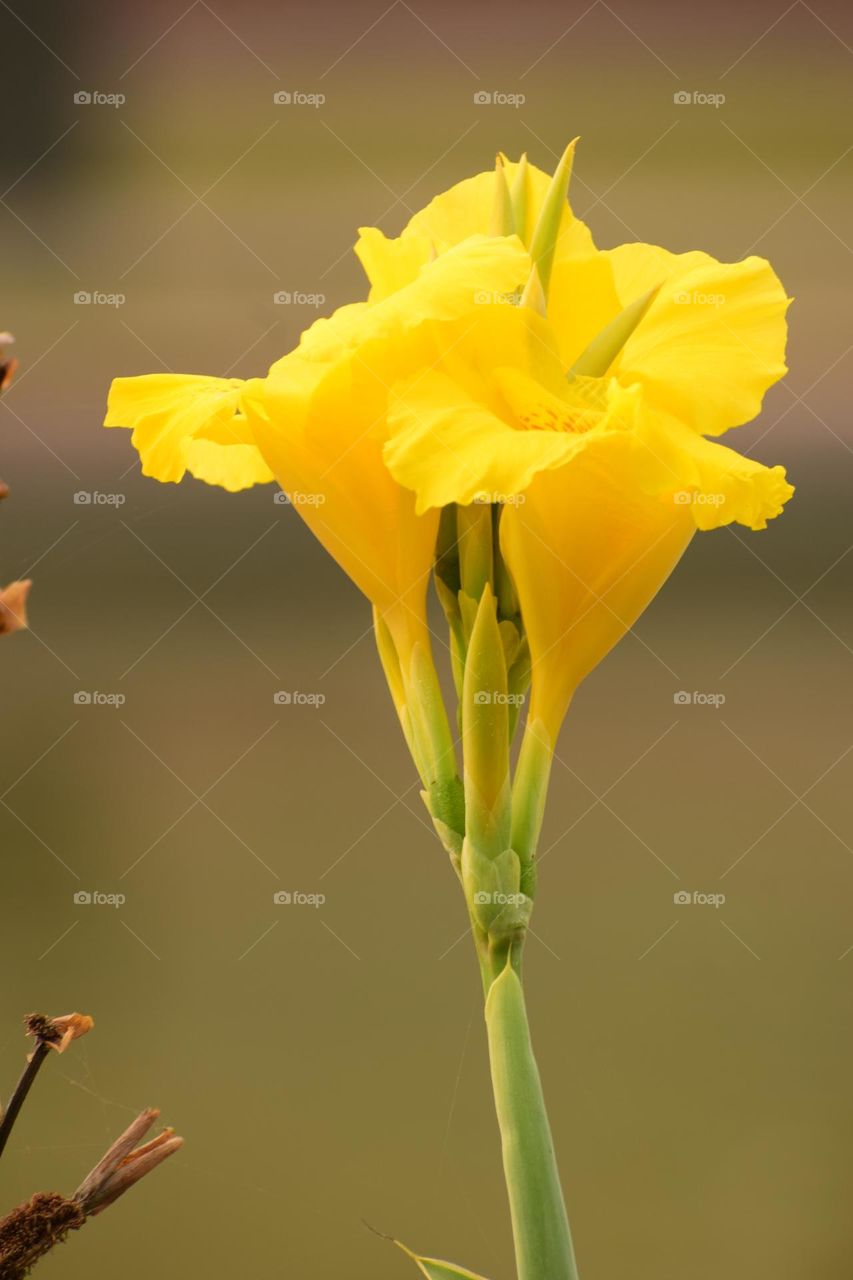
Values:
[(543, 1243)]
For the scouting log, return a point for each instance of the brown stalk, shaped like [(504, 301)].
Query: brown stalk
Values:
[(45, 1220)]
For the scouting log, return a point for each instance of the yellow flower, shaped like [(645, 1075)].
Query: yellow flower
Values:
[(604, 478)]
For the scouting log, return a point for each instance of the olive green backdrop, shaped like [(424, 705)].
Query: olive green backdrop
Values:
[(326, 1063)]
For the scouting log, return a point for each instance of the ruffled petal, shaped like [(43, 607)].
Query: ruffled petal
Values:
[(713, 340), (448, 447), (717, 484), (390, 264), (185, 422)]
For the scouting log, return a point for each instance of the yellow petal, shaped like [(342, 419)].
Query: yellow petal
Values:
[(450, 444), (332, 468), (390, 264), (714, 339), (232, 467), (448, 447), (185, 422), (582, 300), (717, 484), (587, 550)]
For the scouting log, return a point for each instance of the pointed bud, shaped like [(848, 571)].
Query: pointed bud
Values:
[(501, 222), (519, 196), (544, 242), (529, 792), (476, 562), (533, 295), (606, 345), (485, 734)]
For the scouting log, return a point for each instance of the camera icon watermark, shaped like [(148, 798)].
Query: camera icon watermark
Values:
[(94, 498), (298, 298), (288, 698), (286, 898), (93, 698), (689, 497), (297, 499), (498, 698), (696, 298), (98, 298), (696, 98), (498, 98), (500, 499), (94, 898), (698, 699), (682, 898), (483, 898), (495, 298), (95, 98), (298, 98)]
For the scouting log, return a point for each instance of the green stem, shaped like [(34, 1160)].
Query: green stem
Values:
[(540, 1227)]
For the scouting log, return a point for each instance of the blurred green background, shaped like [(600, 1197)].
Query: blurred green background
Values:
[(327, 1065)]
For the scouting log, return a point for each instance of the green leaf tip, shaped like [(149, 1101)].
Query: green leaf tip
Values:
[(544, 243), (435, 1269), (606, 345)]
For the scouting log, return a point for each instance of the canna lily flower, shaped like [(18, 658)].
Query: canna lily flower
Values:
[(596, 443), (536, 420)]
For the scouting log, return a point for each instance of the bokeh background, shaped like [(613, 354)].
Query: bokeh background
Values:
[(327, 1064)]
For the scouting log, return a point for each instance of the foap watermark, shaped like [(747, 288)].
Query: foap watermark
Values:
[(683, 898), (698, 699), (689, 497), (293, 698), (296, 298), (482, 898), (94, 698), (98, 298), (697, 98), (95, 98), (497, 698), (297, 499), (495, 298), (696, 298), (94, 498), (498, 98), (95, 898), (501, 499), (296, 898), (298, 98)]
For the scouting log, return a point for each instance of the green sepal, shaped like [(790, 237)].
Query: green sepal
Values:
[(474, 533), (429, 717), (496, 900), (519, 196), (508, 606), (446, 804), (501, 222), (606, 345), (435, 1269), (544, 243), (529, 792), (518, 683), (485, 733)]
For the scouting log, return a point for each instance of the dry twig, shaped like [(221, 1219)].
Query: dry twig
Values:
[(32, 1229)]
